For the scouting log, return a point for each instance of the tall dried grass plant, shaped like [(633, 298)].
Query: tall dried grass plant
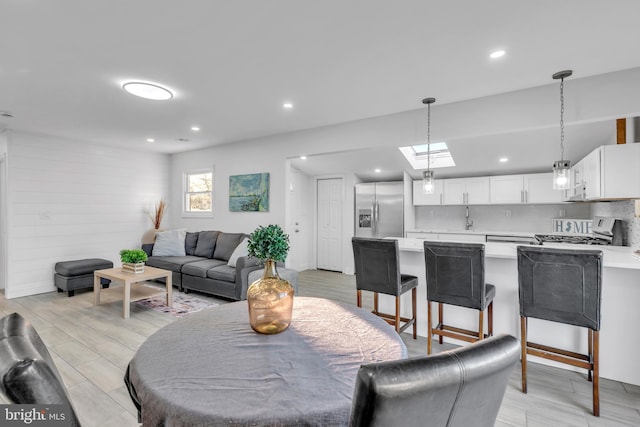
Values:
[(159, 211)]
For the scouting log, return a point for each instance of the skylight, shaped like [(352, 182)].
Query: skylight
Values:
[(416, 155)]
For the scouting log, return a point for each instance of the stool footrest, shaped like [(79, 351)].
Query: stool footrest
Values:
[(456, 333), (559, 355)]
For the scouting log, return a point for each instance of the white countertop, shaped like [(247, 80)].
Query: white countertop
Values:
[(613, 256)]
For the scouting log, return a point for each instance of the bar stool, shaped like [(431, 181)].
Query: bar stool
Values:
[(564, 286), (455, 276), (377, 270)]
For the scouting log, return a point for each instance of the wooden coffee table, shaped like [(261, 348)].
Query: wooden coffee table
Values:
[(128, 279)]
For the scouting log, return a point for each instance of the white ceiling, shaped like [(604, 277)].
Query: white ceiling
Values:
[(232, 64)]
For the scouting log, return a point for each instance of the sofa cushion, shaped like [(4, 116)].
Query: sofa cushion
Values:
[(199, 268), (226, 244), (190, 242), (206, 243), (240, 251), (171, 263), (169, 243), (222, 272)]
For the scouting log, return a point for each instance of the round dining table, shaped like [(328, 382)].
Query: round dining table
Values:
[(210, 368)]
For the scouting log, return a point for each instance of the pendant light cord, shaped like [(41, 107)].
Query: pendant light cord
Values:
[(428, 137), (562, 118)]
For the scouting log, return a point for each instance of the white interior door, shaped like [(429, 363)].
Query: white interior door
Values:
[(330, 202)]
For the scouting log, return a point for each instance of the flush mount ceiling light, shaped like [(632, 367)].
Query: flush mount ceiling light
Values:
[(377, 170), (303, 157), (148, 91), (427, 176), (195, 128), (287, 106), (497, 54), (562, 168), (503, 160), (151, 140)]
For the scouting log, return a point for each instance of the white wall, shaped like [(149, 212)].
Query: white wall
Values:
[(72, 200), (3, 209)]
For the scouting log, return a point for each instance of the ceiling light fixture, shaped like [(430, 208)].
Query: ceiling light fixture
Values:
[(427, 176), (151, 140), (377, 170), (287, 106), (562, 168), (303, 157), (195, 128), (497, 54), (148, 91), (503, 160)]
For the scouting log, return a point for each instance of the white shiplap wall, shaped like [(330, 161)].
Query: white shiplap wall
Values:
[(72, 200)]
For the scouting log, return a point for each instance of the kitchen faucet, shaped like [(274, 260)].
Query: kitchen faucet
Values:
[(469, 224)]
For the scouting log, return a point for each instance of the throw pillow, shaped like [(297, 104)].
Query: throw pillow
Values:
[(170, 243), (225, 245), (241, 250)]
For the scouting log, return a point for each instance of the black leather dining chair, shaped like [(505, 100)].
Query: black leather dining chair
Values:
[(458, 388), (564, 286), (455, 276), (377, 263), (28, 373)]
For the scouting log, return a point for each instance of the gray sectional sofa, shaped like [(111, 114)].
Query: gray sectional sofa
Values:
[(205, 266)]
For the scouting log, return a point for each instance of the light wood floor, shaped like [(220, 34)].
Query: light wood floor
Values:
[(92, 346)]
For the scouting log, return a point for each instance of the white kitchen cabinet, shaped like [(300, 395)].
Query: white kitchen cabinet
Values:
[(538, 189), (620, 171), (591, 175), (466, 191), (421, 199), (535, 188)]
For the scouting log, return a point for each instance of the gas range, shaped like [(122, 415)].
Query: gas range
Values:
[(571, 238), (605, 231)]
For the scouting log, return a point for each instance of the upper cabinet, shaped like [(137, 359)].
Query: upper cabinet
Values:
[(609, 172), (535, 188), (421, 199), (466, 191)]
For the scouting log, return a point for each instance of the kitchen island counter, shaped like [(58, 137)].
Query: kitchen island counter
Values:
[(620, 299)]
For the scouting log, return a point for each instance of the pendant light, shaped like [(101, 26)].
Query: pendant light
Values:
[(428, 184), (562, 168)]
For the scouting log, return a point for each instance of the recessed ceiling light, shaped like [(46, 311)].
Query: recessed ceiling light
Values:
[(503, 159), (303, 157), (195, 128), (377, 170), (148, 91), (287, 106), (497, 54), (151, 140)]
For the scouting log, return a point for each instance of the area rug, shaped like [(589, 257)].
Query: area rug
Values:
[(183, 304)]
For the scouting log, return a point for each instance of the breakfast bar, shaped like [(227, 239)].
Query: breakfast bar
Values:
[(620, 298)]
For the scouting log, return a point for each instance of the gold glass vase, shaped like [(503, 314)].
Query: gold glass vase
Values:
[(270, 300)]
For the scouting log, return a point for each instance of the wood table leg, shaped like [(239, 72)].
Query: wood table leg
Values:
[(96, 289), (126, 303)]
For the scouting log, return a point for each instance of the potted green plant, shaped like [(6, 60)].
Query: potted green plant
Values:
[(133, 260), (270, 298)]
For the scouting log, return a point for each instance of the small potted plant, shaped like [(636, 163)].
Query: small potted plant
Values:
[(270, 298), (133, 260)]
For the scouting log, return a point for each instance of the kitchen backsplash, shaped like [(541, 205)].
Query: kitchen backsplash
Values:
[(626, 211), (526, 218)]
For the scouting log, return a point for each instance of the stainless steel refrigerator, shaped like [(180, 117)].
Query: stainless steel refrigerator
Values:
[(379, 209)]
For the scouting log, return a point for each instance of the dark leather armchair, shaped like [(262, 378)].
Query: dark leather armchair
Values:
[(28, 373), (564, 286), (377, 263), (459, 388)]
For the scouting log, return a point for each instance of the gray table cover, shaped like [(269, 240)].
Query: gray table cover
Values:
[(211, 368)]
